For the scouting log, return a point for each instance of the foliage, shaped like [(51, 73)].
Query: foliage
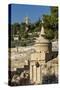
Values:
[(27, 37), (49, 79), (49, 34), (51, 23)]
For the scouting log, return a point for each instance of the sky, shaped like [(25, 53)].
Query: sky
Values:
[(34, 12)]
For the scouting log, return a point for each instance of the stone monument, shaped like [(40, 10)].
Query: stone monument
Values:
[(38, 59)]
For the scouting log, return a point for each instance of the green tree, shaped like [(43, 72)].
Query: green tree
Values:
[(15, 28), (51, 22), (49, 34)]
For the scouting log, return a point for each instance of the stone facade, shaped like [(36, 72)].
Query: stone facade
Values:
[(43, 51), (40, 60)]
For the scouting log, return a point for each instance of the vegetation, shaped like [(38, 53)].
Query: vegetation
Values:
[(26, 37), (51, 24), (49, 79)]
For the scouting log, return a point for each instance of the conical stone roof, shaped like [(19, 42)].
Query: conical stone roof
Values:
[(41, 38)]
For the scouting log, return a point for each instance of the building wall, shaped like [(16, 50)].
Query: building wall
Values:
[(43, 47)]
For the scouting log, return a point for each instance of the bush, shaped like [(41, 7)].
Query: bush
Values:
[(49, 79), (49, 34)]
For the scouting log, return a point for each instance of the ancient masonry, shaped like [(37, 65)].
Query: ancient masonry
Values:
[(40, 62)]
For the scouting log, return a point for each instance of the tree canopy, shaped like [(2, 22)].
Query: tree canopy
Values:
[(28, 36), (51, 23)]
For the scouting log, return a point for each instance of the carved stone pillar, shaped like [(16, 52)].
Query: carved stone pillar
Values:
[(38, 74), (31, 72), (34, 73)]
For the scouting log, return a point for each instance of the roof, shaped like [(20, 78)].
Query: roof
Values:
[(41, 38)]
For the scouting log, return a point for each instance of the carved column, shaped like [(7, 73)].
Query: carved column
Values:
[(34, 73), (31, 72), (38, 74)]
